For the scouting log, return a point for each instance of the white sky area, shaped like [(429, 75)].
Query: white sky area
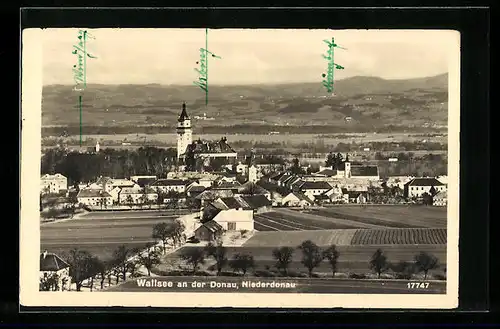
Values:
[(249, 56)]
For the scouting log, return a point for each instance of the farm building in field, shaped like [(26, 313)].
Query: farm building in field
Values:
[(256, 203), (235, 219), (54, 266), (296, 199), (53, 184), (95, 198), (209, 231), (418, 186), (440, 199)]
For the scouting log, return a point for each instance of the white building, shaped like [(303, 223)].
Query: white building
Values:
[(51, 264), (166, 185), (418, 186), (95, 198), (131, 195), (295, 199), (235, 220), (53, 183), (312, 189)]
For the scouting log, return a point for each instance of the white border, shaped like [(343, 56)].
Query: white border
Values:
[(30, 229)]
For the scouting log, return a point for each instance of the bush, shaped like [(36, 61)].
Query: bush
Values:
[(265, 273), (403, 276), (357, 276)]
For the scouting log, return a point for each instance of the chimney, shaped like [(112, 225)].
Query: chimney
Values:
[(44, 254)]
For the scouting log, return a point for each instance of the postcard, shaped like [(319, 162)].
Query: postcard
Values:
[(240, 168)]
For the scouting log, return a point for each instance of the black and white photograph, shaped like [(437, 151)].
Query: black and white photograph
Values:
[(199, 167)]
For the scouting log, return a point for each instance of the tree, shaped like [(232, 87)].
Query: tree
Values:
[(101, 269), (129, 199), (149, 258), (193, 203), (425, 262), (296, 169), (218, 252), (241, 263), (193, 256), (332, 255), (80, 262), (161, 197), (121, 256), (378, 262), (51, 213), (173, 199), (49, 282), (250, 189), (168, 231), (311, 255), (330, 160), (427, 199), (404, 270), (283, 258)]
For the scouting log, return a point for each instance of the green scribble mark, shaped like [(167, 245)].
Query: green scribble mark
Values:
[(202, 81), (329, 82), (80, 69)]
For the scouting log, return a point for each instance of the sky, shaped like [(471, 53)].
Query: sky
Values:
[(248, 56)]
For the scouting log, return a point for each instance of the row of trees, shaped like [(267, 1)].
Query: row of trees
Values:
[(312, 256), (84, 265)]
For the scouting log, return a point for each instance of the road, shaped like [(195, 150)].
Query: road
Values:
[(102, 232), (295, 285)]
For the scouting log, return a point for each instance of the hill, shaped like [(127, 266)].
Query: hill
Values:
[(368, 101)]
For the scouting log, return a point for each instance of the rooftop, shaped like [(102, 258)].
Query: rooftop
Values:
[(424, 182), (315, 186), (90, 193), (51, 262), (170, 182)]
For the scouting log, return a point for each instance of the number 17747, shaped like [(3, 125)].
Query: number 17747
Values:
[(418, 285)]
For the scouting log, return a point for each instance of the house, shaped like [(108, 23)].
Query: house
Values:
[(204, 179), (443, 179), (115, 194), (53, 184), (166, 185), (241, 168), (418, 186), (53, 265), (312, 189), (355, 196), (259, 203), (131, 195), (398, 181), (235, 219), (143, 181), (276, 193), (440, 199), (209, 231), (110, 183), (326, 172), (296, 199), (94, 198), (194, 190), (250, 188)]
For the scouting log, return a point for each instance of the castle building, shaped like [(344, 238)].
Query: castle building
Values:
[(203, 150)]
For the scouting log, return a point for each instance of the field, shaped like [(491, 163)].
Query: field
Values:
[(388, 216), (101, 233), (352, 258), (349, 237)]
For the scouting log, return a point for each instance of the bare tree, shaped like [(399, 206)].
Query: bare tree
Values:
[(283, 258), (80, 266), (121, 256)]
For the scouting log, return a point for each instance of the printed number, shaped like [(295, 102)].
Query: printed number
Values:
[(418, 285)]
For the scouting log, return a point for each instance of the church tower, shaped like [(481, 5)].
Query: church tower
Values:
[(184, 132)]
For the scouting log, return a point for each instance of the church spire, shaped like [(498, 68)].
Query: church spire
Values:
[(184, 115)]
